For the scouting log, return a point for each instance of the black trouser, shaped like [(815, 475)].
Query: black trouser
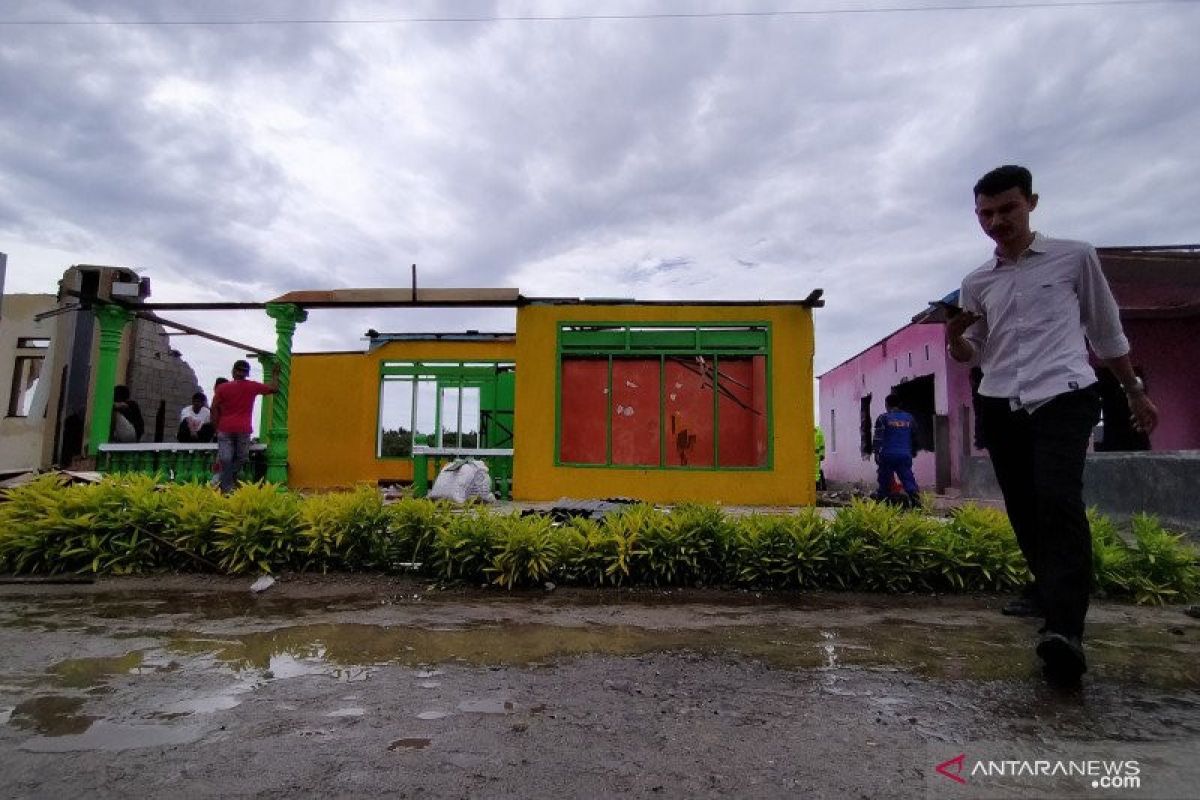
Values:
[(202, 436), (1038, 459)]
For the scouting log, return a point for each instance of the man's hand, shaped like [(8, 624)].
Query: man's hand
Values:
[(1143, 414), (957, 325), (960, 349)]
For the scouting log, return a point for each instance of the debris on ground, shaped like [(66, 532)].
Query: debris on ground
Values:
[(11, 480), (566, 509), (463, 479), (262, 584)]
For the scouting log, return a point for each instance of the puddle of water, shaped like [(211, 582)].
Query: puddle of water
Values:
[(111, 736), (86, 673), (433, 715), (348, 652), (1126, 654), (52, 715), (409, 744), (349, 711), (486, 706)]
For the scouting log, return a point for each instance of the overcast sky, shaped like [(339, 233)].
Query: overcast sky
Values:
[(723, 157)]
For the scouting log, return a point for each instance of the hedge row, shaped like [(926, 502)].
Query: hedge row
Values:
[(129, 524)]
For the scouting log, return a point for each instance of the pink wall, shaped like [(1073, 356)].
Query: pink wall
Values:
[(1167, 351), (911, 352)]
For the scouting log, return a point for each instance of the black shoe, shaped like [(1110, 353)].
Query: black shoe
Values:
[(1063, 657), (1023, 607)]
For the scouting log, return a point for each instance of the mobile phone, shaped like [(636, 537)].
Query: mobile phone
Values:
[(950, 309)]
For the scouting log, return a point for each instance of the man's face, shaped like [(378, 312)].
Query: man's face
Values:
[(1004, 217), (240, 373)]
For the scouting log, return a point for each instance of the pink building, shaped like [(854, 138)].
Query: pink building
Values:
[(1158, 290)]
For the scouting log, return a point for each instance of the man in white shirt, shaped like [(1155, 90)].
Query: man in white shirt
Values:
[(1029, 314), (195, 421)]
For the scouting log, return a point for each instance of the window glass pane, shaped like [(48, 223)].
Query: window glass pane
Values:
[(583, 412), (635, 411), (448, 431), (742, 411), (425, 411), (469, 420), (460, 416), (26, 373), (689, 412), (395, 418)]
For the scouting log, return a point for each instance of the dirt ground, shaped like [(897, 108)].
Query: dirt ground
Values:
[(365, 686)]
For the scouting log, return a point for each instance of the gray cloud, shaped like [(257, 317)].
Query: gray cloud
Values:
[(722, 158)]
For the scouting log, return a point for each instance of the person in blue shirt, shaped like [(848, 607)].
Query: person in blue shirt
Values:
[(895, 445)]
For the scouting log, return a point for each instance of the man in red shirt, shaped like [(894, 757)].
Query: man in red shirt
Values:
[(232, 416)]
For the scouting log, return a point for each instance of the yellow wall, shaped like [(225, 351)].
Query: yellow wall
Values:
[(333, 410), (790, 482)]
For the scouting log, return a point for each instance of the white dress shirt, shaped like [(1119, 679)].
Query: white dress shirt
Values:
[(1040, 312)]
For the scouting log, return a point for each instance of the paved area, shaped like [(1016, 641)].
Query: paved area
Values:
[(367, 686)]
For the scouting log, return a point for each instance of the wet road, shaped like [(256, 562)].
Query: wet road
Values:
[(193, 687)]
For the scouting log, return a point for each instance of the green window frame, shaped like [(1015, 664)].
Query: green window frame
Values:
[(432, 381), (612, 341)]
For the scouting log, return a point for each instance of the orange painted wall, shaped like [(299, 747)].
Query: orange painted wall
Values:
[(333, 410), (789, 482)]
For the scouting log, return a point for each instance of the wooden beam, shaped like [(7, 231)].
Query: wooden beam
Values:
[(383, 298), (166, 323)]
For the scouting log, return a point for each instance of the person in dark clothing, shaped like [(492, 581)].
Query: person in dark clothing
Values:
[(895, 445), (128, 425), (195, 423), (1029, 314)]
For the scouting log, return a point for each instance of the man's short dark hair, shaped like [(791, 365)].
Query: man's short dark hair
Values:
[(1001, 179), (242, 364), (891, 401)]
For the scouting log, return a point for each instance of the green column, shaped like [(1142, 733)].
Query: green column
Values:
[(268, 401), (286, 317), (113, 320)]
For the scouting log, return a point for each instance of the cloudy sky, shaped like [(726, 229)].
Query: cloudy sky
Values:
[(625, 151)]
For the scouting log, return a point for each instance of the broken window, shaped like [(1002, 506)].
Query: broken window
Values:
[(663, 396), (27, 372), (444, 404)]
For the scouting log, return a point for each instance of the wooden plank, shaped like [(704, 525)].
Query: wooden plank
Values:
[(393, 297)]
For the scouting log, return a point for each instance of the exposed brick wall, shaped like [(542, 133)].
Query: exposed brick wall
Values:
[(159, 376)]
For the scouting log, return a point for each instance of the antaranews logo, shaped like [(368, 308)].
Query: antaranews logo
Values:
[(1099, 773), (953, 768)]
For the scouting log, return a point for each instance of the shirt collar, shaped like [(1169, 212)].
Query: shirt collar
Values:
[(1038, 245)]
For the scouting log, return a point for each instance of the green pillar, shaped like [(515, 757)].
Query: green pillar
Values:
[(113, 320), (268, 401), (286, 317)]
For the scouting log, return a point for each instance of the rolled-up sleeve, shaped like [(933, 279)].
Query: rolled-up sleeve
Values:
[(1098, 310)]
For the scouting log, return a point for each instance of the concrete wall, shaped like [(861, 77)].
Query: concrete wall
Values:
[(22, 438), (1123, 484), (789, 482), (333, 410)]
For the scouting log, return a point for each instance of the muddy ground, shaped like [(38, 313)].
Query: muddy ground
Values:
[(337, 686)]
